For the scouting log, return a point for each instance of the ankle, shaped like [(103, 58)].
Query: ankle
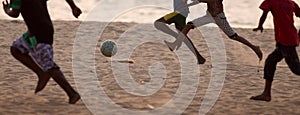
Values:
[(268, 94)]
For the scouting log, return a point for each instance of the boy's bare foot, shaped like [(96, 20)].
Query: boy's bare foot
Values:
[(201, 60), (74, 98), (42, 82), (261, 97), (258, 52), (170, 45)]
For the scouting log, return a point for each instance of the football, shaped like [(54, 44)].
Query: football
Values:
[(108, 48)]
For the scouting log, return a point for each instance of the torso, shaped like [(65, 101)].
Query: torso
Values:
[(37, 19), (283, 13), (181, 6)]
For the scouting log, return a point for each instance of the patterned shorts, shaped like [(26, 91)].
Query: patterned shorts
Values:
[(220, 20), (42, 53), (223, 24)]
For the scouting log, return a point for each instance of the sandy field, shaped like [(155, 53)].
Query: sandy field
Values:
[(243, 75)]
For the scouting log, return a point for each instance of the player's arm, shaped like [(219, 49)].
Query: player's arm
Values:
[(75, 10), (297, 10), (14, 12), (262, 21)]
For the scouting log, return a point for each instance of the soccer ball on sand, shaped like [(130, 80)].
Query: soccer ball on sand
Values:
[(108, 48)]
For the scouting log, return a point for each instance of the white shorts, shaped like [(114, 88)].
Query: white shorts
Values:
[(220, 20), (42, 53)]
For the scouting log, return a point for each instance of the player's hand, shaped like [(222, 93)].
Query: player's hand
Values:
[(6, 6), (259, 28), (76, 11)]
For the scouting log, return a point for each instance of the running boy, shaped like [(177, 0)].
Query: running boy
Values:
[(178, 17), (286, 40), (34, 48), (216, 15)]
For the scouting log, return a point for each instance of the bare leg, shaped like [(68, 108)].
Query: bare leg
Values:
[(266, 95), (183, 37), (180, 38), (191, 25), (43, 77), (256, 49), (161, 25), (189, 43), (177, 43), (269, 71), (59, 78)]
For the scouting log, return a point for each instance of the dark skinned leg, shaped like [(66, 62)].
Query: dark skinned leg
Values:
[(256, 49), (269, 71), (266, 95), (183, 37), (161, 25), (189, 43), (59, 78), (43, 77), (180, 38), (291, 58)]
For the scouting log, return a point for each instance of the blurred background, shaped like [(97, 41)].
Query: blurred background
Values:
[(240, 13)]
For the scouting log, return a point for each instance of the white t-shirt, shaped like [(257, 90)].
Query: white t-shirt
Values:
[(181, 6)]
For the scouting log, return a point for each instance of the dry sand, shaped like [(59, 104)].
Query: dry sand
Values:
[(242, 78)]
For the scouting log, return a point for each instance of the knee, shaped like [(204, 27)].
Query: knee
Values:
[(296, 69), (187, 28), (158, 24), (235, 36), (297, 72), (293, 63), (14, 51), (55, 72), (190, 25), (272, 60)]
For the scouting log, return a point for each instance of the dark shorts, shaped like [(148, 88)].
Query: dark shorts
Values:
[(177, 18), (288, 53)]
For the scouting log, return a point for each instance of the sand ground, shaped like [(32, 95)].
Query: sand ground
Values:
[(242, 76)]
